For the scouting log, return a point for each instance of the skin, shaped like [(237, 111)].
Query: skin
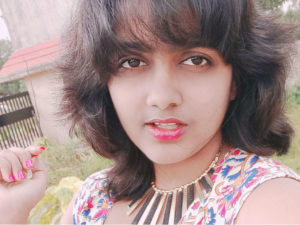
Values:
[(192, 85), (20, 196), (166, 84)]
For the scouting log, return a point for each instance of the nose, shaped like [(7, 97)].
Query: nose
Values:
[(164, 91)]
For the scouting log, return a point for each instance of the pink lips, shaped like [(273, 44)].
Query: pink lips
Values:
[(164, 134)]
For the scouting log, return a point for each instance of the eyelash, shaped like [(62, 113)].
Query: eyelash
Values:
[(127, 61), (203, 62)]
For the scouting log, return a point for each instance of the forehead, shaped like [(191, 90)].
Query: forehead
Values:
[(127, 25), (151, 23)]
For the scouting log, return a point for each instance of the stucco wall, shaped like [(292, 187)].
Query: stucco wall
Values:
[(32, 21), (44, 90)]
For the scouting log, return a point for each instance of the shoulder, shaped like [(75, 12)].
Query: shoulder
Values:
[(251, 168), (92, 196), (248, 180), (274, 201)]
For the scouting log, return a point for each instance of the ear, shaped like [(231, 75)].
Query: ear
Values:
[(233, 90)]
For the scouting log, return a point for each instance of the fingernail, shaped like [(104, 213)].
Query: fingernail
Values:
[(43, 148), (12, 178), (21, 175), (29, 163)]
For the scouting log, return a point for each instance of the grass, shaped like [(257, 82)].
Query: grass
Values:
[(292, 158), (71, 159)]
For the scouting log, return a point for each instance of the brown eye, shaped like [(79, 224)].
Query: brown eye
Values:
[(196, 61), (132, 63)]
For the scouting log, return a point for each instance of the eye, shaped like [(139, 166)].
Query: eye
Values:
[(196, 61), (132, 63)]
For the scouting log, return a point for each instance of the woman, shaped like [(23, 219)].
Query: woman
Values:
[(187, 98)]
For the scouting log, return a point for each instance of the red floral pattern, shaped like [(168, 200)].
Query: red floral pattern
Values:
[(235, 177)]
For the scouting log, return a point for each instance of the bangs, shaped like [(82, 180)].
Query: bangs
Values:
[(130, 26)]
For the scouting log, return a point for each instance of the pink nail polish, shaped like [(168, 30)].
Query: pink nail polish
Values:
[(21, 175), (43, 148), (29, 163), (12, 178)]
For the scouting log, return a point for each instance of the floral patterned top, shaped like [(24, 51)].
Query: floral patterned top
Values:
[(235, 177)]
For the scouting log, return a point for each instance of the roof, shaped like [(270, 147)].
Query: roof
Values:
[(25, 61)]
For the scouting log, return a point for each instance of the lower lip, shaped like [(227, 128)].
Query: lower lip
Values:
[(166, 135)]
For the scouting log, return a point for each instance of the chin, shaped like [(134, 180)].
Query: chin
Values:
[(165, 159)]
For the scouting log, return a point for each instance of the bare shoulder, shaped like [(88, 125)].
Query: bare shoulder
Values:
[(68, 215), (274, 201)]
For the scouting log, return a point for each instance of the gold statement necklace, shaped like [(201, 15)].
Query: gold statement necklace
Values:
[(176, 201)]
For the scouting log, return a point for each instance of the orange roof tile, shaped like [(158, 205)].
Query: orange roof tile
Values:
[(25, 58)]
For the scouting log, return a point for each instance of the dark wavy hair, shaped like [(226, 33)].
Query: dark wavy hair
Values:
[(257, 47)]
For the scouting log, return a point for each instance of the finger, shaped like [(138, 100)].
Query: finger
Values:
[(35, 150), (24, 157), (16, 166), (38, 165), (5, 170), (39, 173)]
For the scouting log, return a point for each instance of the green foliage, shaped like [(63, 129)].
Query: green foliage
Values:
[(68, 164), (292, 158), (271, 4), (55, 202), (5, 51), (291, 16), (294, 95), (13, 87), (74, 158)]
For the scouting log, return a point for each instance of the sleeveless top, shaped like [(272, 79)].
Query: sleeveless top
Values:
[(235, 177)]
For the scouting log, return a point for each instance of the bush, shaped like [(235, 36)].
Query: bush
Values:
[(55, 202), (72, 159), (292, 159), (294, 94)]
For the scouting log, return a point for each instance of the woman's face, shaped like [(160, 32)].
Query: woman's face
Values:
[(171, 101)]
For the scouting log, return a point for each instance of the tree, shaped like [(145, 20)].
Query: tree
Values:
[(271, 4), (5, 51), (12, 87), (291, 13)]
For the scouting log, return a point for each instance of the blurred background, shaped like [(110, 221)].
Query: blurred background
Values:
[(30, 87)]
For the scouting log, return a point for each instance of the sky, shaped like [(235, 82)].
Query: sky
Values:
[(3, 29)]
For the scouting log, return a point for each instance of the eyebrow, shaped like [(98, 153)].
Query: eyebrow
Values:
[(134, 46), (138, 47)]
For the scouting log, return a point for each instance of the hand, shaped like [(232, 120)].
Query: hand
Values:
[(19, 193)]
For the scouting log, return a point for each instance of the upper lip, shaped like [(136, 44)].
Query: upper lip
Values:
[(169, 120)]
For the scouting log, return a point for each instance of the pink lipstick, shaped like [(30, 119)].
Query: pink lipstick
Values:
[(167, 129)]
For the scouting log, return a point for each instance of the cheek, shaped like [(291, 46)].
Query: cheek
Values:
[(126, 99)]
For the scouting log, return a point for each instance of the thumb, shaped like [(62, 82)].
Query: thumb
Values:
[(39, 172), (35, 150)]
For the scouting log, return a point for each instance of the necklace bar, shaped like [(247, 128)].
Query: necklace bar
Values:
[(148, 209), (134, 204), (205, 185), (172, 203), (184, 200), (173, 208), (158, 210), (199, 192), (178, 211), (191, 194), (167, 210), (141, 211)]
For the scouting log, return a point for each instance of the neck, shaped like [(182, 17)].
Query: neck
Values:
[(174, 175)]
